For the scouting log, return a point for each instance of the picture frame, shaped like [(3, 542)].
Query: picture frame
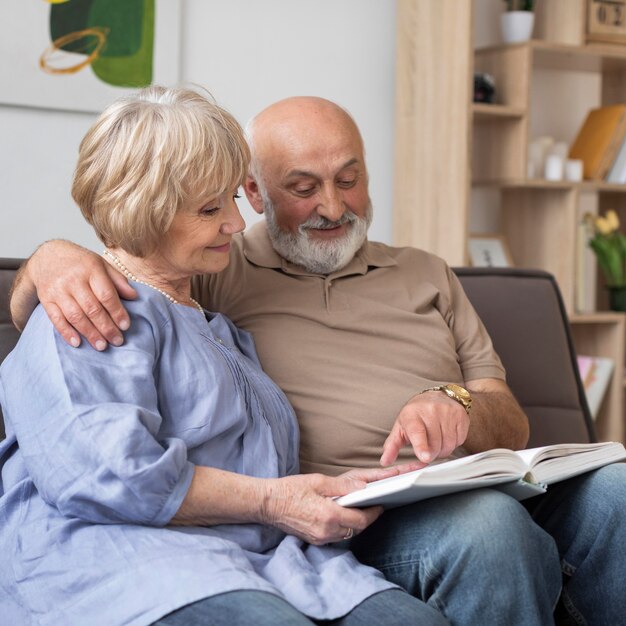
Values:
[(38, 72), (489, 250)]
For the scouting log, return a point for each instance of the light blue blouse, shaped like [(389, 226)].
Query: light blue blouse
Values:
[(100, 452)]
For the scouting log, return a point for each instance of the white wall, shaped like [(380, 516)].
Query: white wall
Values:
[(249, 53)]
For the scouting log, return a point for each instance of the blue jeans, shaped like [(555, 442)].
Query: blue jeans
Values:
[(388, 608), (481, 557)]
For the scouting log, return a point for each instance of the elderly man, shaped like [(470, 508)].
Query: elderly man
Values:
[(383, 358)]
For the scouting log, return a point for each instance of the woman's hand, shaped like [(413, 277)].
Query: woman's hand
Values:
[(377, 473), (303, 505), (299, 505)]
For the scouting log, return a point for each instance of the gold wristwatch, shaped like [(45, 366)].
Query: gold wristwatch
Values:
[(456, 392)]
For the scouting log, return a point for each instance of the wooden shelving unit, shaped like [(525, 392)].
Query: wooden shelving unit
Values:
[(602, 334), (445, 146), (496, 111)]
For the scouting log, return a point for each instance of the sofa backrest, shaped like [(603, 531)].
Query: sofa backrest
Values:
[(524, 314), (8, 333)]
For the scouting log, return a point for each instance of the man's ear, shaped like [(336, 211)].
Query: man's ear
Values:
[(253, 194)]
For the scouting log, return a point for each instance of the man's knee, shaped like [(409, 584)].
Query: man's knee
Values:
[(492, 527), (481, 531), (606, 487)]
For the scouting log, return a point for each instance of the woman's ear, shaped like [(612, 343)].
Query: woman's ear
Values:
[(253, 194)]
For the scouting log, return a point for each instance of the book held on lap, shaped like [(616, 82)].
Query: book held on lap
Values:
[(521, 473)]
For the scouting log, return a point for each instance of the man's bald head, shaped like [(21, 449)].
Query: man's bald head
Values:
[(308, 176), (295, 123)]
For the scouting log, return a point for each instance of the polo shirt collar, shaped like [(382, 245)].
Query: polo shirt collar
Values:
[(258, 249)]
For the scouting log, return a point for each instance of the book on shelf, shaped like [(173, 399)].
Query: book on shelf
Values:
[(599, 140), (585, 270), (521, 473), (617, 173), (595, 373)]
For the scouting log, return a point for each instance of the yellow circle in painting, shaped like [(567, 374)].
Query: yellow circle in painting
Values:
[(97, 34)]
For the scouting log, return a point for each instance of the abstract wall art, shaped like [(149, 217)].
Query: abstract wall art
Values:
[(82, 54)]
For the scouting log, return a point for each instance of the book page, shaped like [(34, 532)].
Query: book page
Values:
[(528, 469), (484, 469), (550, 464)]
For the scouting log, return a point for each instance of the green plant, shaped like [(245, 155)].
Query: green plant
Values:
[(609, 245), (520, 5)]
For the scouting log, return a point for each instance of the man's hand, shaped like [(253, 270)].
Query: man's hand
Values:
[(432, 423), (435, 424), (79, 291)]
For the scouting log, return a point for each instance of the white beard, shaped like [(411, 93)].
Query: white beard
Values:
[(315, 255)]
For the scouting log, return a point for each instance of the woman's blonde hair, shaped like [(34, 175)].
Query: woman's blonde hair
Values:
[(148, 155)]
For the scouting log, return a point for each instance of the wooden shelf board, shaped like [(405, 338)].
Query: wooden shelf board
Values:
[(539, 183), (601, 186), (530, 183), (483, 112), (588, 58), (600, 317)]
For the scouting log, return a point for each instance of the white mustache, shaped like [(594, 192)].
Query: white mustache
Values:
[(318, 222)]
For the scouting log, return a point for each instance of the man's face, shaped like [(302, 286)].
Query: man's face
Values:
[(313, 190), (318, 255)]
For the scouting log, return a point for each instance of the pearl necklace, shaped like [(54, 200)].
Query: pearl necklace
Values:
[(129, 274)]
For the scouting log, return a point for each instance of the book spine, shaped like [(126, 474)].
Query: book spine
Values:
[(615, 174), (581, 244), (612, 150)]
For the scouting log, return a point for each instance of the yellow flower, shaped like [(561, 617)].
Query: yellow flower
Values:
[(607, 224), (612, 218), (603, 225), (609, 245)]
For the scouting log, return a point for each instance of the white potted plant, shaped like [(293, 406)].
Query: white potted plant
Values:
[(518, 20)]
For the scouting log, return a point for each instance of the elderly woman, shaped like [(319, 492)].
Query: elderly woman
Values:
[(156, 483)]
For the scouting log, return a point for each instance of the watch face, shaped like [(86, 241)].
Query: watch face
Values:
[(459, 391)]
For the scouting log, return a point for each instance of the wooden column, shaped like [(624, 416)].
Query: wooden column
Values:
[(433, 126)]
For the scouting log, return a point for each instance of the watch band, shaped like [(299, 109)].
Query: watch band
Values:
[(456, 392)]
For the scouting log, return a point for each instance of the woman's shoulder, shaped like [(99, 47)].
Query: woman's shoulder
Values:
[(149, 316), (150, 305)]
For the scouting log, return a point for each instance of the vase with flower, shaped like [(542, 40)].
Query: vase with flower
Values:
[(609, 245)]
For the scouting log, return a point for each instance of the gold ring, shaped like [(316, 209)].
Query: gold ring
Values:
[(349, 534)]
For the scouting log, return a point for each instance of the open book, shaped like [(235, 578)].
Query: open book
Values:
[(521, 474)]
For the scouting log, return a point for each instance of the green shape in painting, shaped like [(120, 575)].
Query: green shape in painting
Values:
[(123, 20), (71, 17), (132, 70), (126, 58)]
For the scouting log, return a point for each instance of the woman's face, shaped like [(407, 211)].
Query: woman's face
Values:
[(198, 240)]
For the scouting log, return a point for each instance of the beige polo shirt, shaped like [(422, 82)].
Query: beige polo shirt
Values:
[(349, 349)]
